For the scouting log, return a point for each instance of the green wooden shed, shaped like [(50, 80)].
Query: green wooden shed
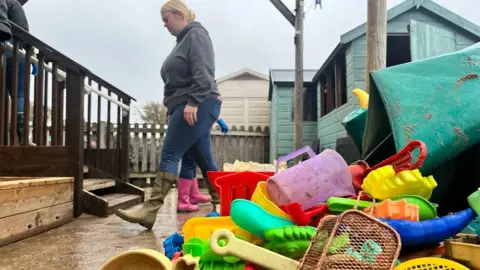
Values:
[(416, 29), (281, 119)]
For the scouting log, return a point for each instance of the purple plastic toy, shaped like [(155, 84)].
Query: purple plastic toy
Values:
[(311, 182)]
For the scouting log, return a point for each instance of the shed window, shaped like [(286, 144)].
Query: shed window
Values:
[(333, 85), (310, 107)]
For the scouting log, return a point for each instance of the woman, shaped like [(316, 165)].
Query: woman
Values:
[(193, 102), (189, 195)]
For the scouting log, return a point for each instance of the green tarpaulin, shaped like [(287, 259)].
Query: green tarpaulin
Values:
[(435, 100)]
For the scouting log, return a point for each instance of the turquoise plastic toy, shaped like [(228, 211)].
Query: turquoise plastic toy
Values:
[(254, 219)]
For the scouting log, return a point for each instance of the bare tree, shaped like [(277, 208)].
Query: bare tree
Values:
[(153, 113)]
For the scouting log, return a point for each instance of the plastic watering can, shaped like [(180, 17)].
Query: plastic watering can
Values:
[(311, 182)]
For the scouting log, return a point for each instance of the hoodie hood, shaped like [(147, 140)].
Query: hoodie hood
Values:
[(193, 25)]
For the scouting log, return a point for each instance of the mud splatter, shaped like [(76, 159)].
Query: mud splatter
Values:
[(439, 139), (428, 116), (465, 78), (472, 61), (408, 131), (460, 133), (396, 109)]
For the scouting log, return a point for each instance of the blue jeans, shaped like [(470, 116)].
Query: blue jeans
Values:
[(20, 89), (194, 142), (188, 170)]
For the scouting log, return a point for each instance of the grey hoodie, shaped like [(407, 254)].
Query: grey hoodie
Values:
[(11, 10), (16, 14), (5, 29), (189, 71)]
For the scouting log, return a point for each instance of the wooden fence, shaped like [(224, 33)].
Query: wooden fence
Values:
[(241, 144)]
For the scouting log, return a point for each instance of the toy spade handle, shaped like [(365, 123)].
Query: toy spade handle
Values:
[(249, 252)]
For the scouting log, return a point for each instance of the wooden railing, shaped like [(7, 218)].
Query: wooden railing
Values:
[(58, 97), (146, 142)]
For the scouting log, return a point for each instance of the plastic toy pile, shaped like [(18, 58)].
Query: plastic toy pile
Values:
[(326, 212)]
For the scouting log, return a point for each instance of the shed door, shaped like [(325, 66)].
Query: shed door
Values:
[(429, 41)]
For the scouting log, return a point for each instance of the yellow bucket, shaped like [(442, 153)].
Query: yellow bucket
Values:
[(149, 259), (260, 197), (430, 263)]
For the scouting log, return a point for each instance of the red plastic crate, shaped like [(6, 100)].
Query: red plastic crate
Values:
[(213, 175), (239, 185)]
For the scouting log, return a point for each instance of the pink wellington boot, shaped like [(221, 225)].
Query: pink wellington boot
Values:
[(183, 204), (195, 196)]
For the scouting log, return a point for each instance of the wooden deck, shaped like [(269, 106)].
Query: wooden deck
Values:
[(29, 205)]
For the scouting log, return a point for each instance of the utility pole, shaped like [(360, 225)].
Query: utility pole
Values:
[(376, 38), (298, 88), (296, 21)]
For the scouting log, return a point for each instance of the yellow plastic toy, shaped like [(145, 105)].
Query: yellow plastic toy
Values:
[(383, 183), (260, 197), (362, 97), (430, 263), (149, 259), (203, 228)]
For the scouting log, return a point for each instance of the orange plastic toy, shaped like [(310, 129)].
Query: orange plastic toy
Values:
[(394, 210)]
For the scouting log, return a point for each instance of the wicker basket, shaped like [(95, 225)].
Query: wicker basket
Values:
[(354, 240)]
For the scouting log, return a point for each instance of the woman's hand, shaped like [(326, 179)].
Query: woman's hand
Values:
[(190, 114)]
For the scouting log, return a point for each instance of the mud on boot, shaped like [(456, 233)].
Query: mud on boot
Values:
[(147, 213)]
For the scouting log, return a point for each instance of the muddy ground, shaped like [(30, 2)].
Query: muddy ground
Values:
[(89, 241)]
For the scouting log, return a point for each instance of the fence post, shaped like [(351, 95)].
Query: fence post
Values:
[(125, 148), (74, 134)]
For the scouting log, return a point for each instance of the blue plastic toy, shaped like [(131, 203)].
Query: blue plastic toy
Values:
[(213, 214), (431, 231), (173, 244)]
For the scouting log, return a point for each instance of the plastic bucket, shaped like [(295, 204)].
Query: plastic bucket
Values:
[(313, 181), (260, 197)]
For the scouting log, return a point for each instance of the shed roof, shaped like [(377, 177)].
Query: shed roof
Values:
[(396, 11), (244, 71), (288, 76)]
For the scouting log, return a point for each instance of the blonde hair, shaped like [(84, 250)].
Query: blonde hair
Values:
[(180, 7)]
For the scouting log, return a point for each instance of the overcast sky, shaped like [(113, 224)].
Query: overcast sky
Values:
[(125, 42)]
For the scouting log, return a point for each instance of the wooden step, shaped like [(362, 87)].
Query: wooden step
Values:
[(104, 205), (121, 201), (96, 184)]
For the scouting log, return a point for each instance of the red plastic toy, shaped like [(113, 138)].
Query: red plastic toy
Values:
[(400, 161), (303, 218), (239, 185), (213, 175), (250, 266), (177, 255)]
